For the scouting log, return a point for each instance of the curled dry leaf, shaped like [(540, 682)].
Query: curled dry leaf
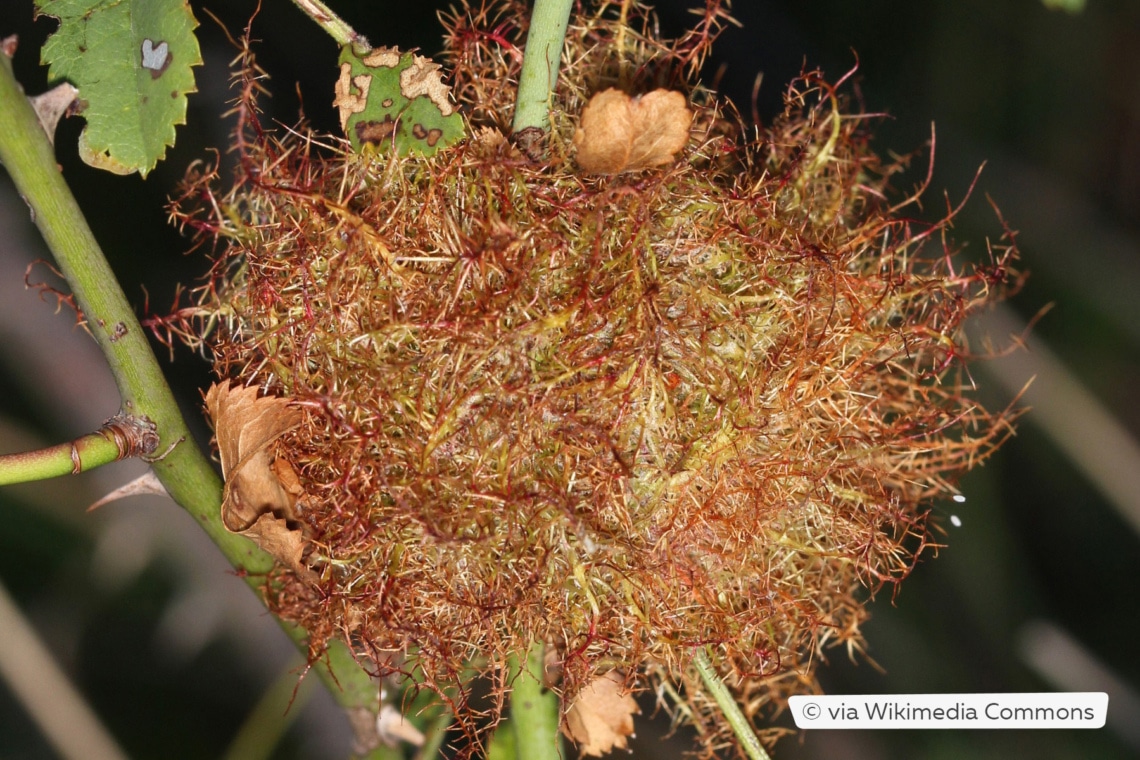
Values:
[(618, 133), (261, 492), (602, 716)]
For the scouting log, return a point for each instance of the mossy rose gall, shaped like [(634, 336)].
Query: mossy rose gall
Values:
[(702, 400)]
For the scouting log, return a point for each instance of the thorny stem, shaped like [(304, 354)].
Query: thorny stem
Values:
[(337, 27), (184, 471), (724, 700), (534, 709), (541, 60), (28, 156)]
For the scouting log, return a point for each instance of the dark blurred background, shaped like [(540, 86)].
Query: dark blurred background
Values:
[(1038, 588)]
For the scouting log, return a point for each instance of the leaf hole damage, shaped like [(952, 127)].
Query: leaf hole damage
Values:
[(155, 58)]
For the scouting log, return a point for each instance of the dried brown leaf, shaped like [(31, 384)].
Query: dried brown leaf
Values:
[(260, 492), (618, 133), (602, 716), (290, 481), (287, 545)]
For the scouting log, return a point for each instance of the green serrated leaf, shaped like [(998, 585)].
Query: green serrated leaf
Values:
[(132, 63), (387, 98)]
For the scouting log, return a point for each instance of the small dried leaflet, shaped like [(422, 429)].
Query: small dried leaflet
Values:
[(623, 134), (601, 718)]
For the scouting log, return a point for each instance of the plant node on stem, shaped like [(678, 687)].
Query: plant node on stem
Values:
[(121, 437)]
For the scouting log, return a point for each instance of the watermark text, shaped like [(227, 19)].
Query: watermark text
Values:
[(1021, 710)]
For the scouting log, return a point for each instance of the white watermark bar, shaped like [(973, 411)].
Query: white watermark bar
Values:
[(1084, 709)]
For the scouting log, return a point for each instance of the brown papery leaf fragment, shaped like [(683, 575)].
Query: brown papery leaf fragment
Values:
[(424, 77), (257, 503), (285, 544), (601, 718), (346, 102), (618, 133)]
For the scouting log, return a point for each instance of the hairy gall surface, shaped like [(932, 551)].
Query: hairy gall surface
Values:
[(702, 403)]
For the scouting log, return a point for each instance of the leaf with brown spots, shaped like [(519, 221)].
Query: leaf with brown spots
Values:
[(132, 62), (618, 133), (601, 718), (261, 492), (387, 98)]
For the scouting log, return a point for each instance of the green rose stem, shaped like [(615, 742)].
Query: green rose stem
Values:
[(727, 704), (336, 27), (28, 156), (84, 453), (183, 470), (541, 60), (534, 709)]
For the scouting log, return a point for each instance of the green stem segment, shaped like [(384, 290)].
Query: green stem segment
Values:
[(183, 470), (534, 709), (541, 60), (337, 27), (121, 437), (724, 700), (83, 454)]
